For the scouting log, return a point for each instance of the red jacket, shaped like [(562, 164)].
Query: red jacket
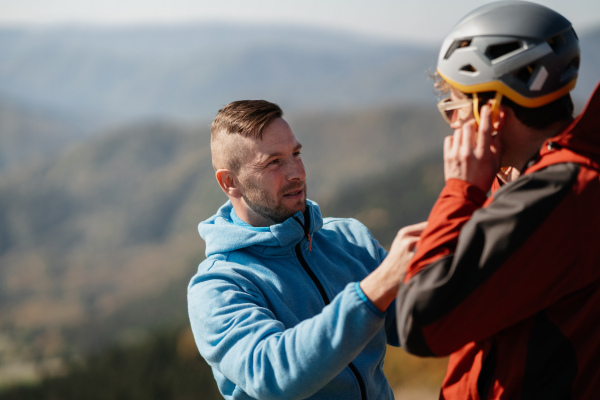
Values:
[(509, 286)]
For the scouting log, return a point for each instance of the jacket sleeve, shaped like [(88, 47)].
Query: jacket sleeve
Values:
[(478, 270), (391, 327), (240, 337), (391, 330)]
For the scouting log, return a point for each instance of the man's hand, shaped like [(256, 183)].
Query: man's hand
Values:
[(473, 153), (404, 246), (381, 286)]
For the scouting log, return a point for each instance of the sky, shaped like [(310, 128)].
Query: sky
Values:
[(422, 21)]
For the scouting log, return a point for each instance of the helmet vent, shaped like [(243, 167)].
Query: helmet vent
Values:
[(468, 68), (556, 43), (458, 44), (524, 74), (499, 50)]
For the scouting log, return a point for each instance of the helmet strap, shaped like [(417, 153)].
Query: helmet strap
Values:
[(495, 107)]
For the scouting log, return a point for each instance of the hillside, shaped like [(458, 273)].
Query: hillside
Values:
[(141, 304), (402, 195), (28, 134), (105, 164), (166, 365), (190, 71), (97, 244), (160, 367), (115, 75)]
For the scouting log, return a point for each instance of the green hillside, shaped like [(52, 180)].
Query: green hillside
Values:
[(165, 366)]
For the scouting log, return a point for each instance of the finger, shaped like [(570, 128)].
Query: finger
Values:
[(468, 138), (499, 122), (408, 236), (448, 144), (457, 140), (412, 247), (416, 229), (495, 143), (484, 133)]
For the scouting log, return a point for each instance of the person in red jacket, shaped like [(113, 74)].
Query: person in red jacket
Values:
[(506, 276)]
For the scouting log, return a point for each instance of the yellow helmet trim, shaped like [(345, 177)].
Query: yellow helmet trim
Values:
[(497, 86)]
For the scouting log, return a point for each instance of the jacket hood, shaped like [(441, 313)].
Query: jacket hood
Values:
[(583, 135), (225, 231)]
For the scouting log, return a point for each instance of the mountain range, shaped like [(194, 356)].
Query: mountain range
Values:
[(189, 71), (105, 163)]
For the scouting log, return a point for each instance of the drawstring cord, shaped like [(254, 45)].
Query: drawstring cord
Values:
[(306, 227)]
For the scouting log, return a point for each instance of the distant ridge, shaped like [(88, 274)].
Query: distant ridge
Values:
[(98, 232), (190, 71)]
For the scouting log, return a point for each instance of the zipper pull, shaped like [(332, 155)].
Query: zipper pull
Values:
[(309, 242)]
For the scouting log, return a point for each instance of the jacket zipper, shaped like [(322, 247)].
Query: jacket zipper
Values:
[(361, 383)]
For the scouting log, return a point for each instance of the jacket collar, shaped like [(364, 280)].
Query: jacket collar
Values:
[(225, 231), (583, 135)]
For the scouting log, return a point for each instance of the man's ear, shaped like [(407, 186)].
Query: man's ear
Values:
[(228, 182)]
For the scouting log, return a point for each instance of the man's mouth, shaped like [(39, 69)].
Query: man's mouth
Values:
[(296, 193)]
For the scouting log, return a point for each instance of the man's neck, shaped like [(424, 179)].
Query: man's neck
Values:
[(529, 141)]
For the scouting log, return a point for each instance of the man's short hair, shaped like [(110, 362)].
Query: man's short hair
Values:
[(246, 118)]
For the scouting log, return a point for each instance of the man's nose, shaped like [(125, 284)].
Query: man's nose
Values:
[(296, 170)]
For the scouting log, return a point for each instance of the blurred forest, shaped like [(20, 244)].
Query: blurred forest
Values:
[(167, 366), (98, 210)]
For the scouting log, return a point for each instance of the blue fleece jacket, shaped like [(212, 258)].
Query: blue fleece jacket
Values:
[(277, 311)]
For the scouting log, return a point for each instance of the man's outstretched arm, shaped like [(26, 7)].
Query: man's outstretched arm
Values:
[(381, 286)]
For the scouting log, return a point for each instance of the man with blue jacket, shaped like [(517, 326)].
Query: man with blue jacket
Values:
[(288, 305)]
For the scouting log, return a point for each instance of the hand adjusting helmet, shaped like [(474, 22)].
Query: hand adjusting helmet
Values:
[(524, 51)]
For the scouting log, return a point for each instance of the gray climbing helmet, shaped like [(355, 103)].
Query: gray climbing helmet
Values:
[(523, 51)]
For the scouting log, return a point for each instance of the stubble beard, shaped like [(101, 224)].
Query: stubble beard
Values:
[(271, 209)]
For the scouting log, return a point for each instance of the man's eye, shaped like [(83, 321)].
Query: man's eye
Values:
[(274, 162)]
